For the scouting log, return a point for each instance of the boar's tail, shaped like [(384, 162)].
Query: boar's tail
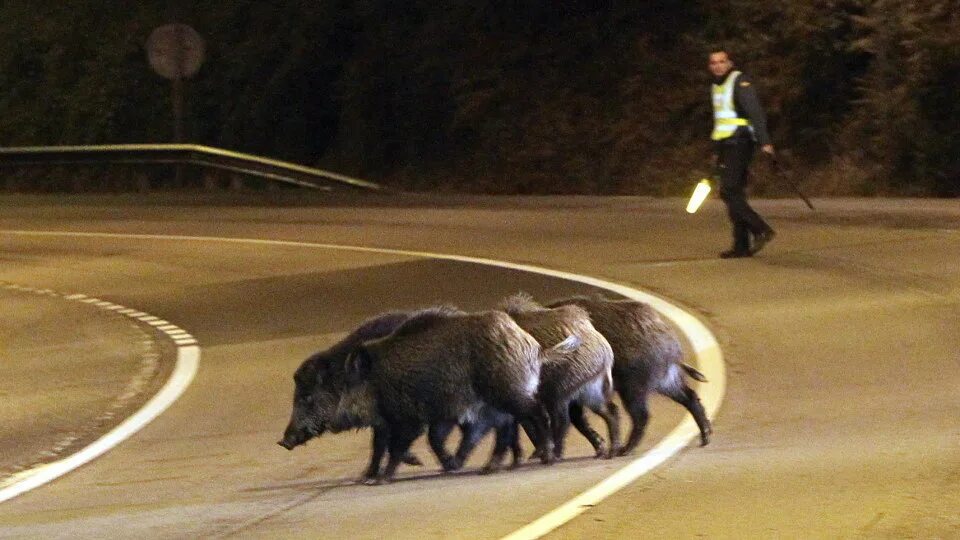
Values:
[(693, 372), (519, 303), (566, 346)]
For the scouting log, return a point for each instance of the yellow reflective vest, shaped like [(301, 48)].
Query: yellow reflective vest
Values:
[(725, 119)]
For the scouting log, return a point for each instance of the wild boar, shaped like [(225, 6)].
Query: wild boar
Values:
[(570, 382), (318, 401), (442, 367), (647, 357), (322, 403)]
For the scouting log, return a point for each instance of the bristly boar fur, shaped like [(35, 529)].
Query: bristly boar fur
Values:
[(647, 357), (318, 401), (443, 367), (569, 382), (323, 403)]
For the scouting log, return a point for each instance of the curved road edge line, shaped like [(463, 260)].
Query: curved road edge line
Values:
[(706, 349), (185, 368), (188, 360)]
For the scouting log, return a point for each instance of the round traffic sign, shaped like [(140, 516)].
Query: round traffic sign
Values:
[(175, 51)]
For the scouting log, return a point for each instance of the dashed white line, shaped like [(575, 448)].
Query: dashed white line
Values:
[(188, 358)]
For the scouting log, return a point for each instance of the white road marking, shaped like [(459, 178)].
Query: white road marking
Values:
[(188, 359), (709, 360)]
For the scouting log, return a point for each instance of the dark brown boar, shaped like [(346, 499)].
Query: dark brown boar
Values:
[(318, 401), (648, 358), (441, 367), (569, 382), (322, 402)]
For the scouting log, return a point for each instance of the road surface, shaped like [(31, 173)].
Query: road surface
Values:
[(841, 415)]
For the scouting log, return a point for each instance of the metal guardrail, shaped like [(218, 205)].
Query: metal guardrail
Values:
[(190, 154)]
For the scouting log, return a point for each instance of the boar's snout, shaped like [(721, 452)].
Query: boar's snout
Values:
[(295, 436), (293, 439)]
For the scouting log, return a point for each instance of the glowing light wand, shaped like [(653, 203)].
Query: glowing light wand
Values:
[(700, 193)]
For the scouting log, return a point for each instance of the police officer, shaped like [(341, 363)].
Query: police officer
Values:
[(739, 124)]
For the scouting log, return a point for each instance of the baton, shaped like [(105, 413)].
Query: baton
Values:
[(778, 167), (700, 192)]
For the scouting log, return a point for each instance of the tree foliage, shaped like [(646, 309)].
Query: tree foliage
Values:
[(540, 96)]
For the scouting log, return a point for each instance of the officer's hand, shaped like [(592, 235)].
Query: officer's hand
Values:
[(768, 148)]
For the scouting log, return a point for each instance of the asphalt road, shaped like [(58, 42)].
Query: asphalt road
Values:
[(841, 341)]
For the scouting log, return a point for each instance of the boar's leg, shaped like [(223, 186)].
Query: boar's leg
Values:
[(508, 435), (378, 448), (539, 434), (411, 459), (537, 423), (506, 440), (559, 423), (507, 430), (611, 416), (579, 421), (379, 445), (530, 430), (515, 448), (533, 416), (636, 403), (471, 433), (691, 401), (437, 436), (402, 435)]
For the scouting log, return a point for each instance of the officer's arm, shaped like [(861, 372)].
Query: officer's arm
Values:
[(745, 96)]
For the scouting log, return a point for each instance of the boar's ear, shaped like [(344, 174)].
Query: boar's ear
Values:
[(304, 375), (358, 364)]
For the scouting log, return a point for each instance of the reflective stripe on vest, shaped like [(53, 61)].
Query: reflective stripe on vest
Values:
[(725, 119)]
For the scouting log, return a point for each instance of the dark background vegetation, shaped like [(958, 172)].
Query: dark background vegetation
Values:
[(506, 96)]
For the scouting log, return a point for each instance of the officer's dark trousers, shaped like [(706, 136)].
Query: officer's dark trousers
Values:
[(734, 155)]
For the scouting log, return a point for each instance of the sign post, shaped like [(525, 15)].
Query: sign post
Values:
[(176, 51)]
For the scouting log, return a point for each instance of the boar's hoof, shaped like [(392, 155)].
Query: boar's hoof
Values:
[(490, 468), (548, 457), (374, 481), (603, 452), (705, 434), (623, 451), (450, 463), (411, 459), (536, 454)]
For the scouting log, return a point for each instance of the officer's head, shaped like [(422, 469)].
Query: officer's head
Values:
[(720, 62)]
